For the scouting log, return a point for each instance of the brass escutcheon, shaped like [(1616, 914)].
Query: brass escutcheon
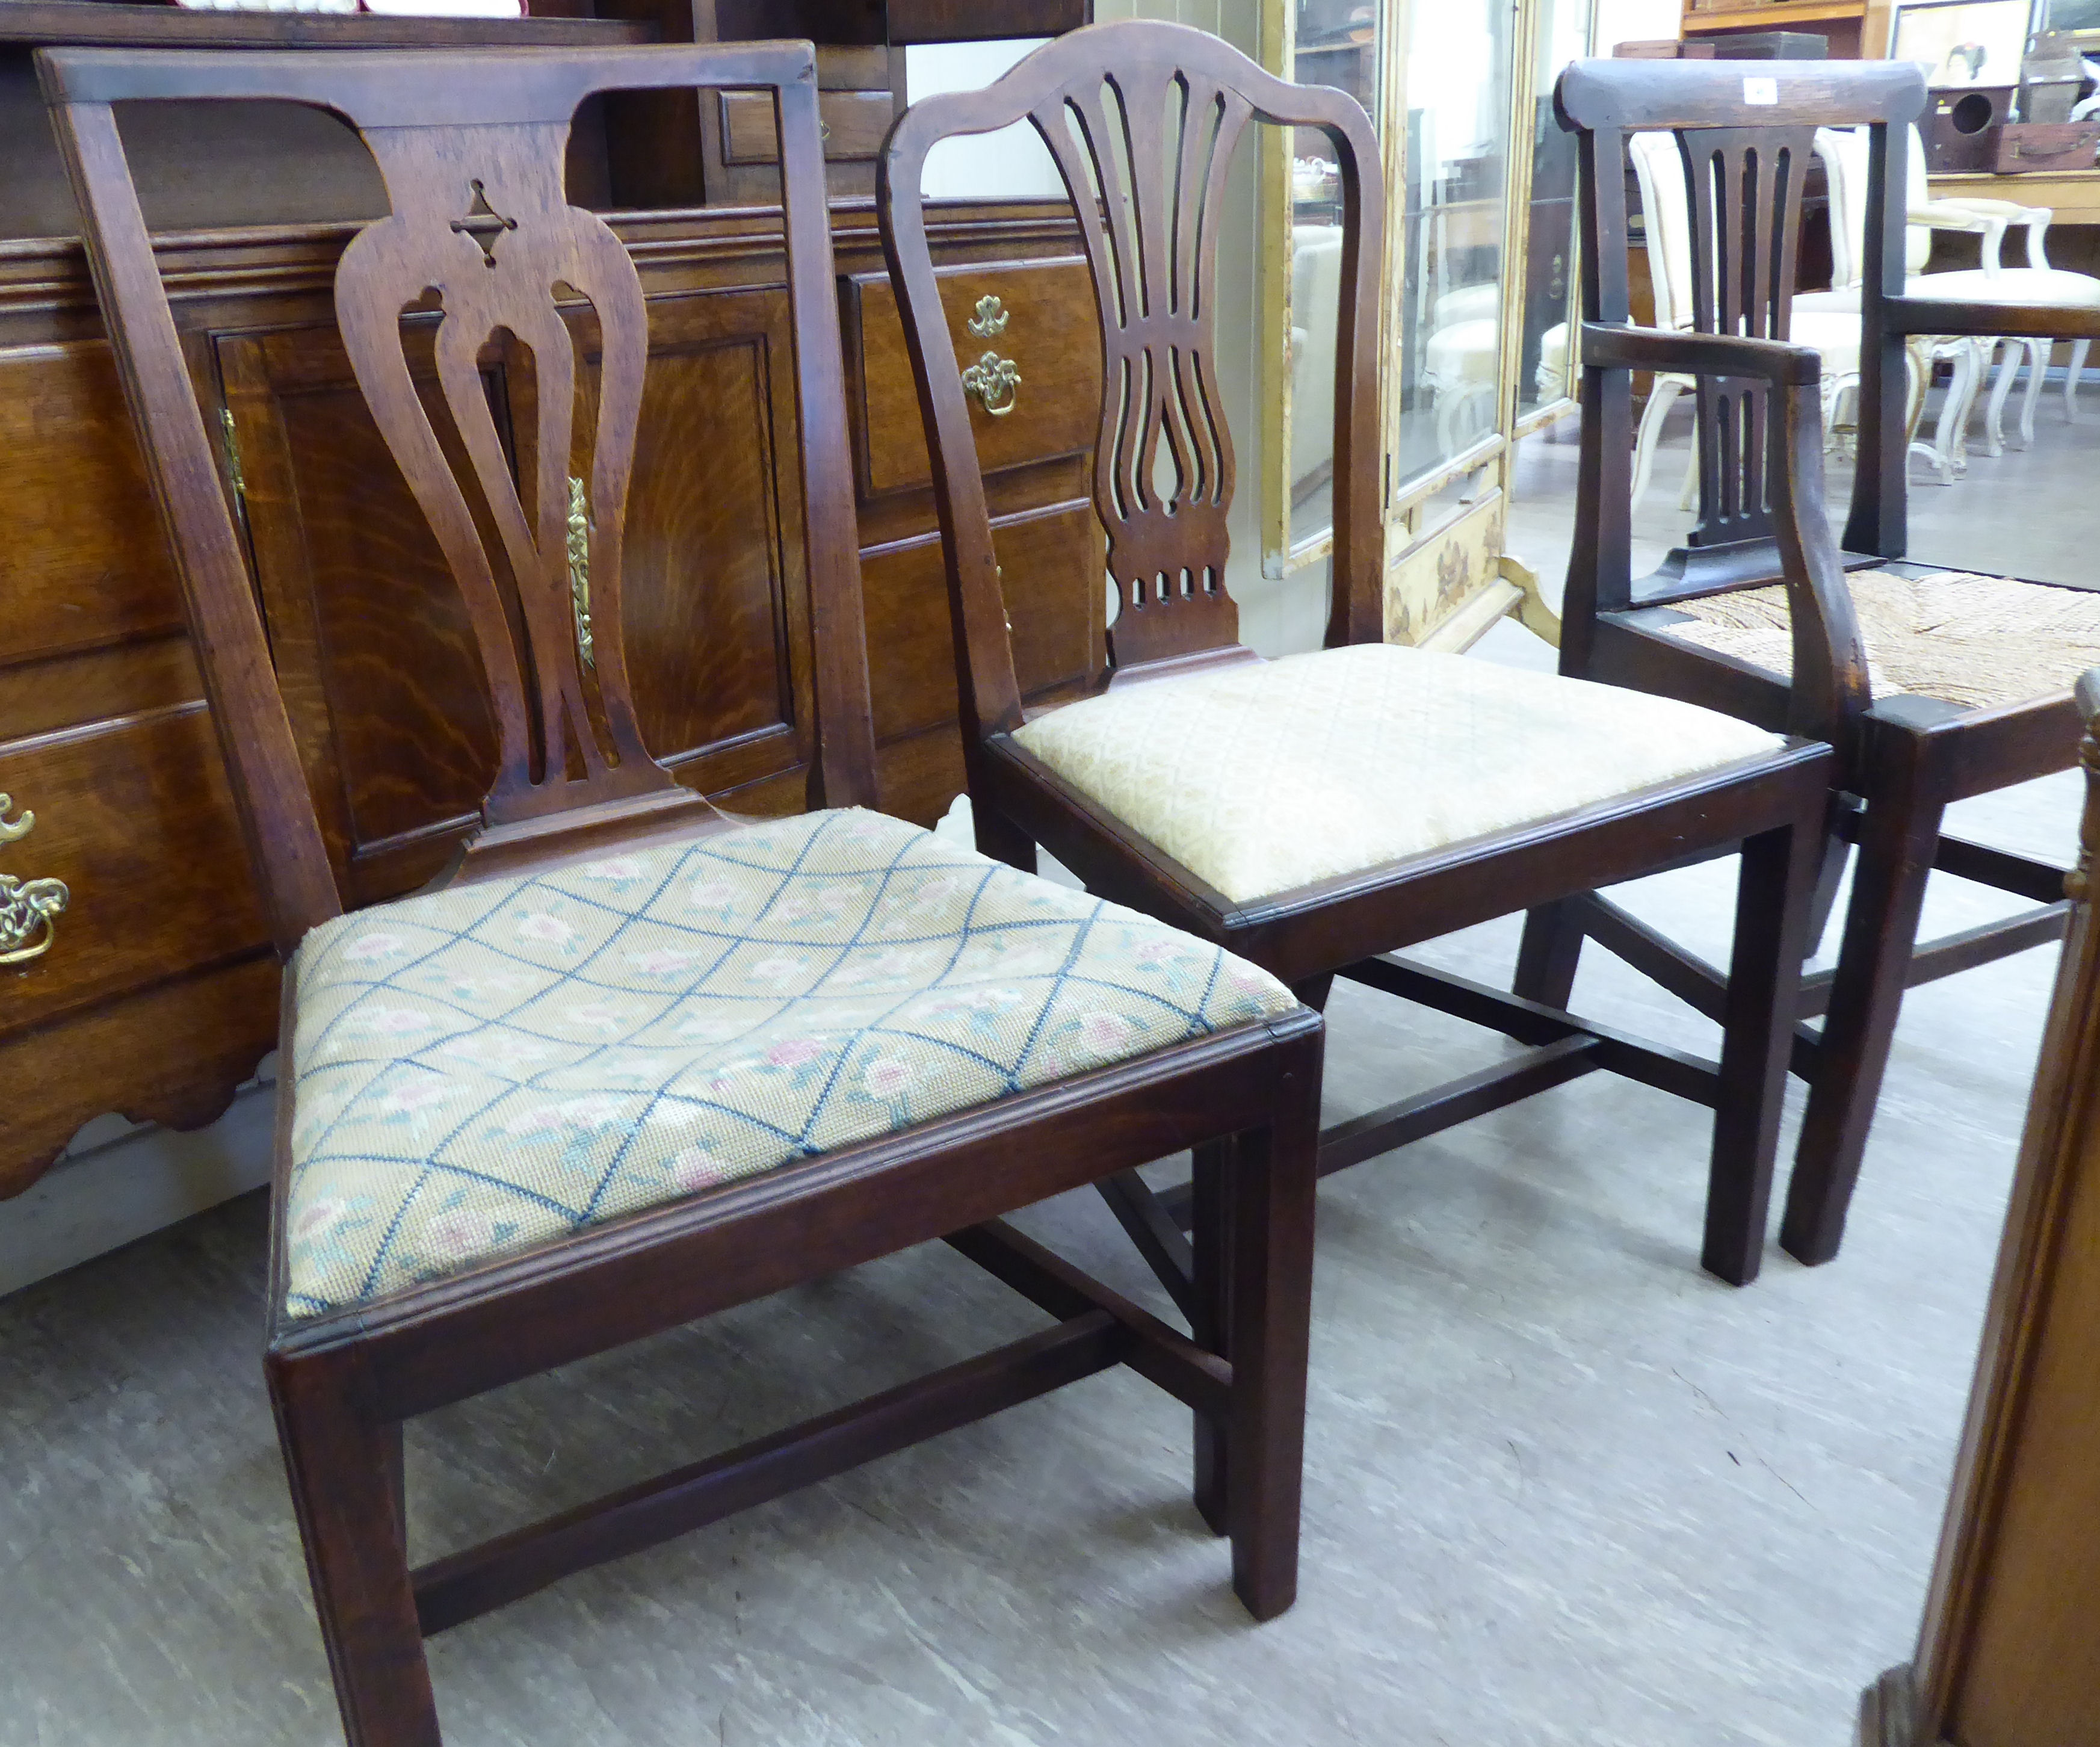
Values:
[(993, 380), (990, 319), (580, 567)]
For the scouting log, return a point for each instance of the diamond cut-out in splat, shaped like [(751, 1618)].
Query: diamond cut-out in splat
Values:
[(483, 223)]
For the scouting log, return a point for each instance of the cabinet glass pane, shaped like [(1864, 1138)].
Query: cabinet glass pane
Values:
[(1457, 116), (1549, 279), (1337, 44)]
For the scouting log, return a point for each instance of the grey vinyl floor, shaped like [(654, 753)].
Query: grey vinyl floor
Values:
[(1561, 1487)]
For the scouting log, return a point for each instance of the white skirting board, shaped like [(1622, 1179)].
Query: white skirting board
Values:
[(109, 1191)]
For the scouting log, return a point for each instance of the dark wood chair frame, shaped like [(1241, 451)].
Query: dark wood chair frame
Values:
[(1901, 759), (1105, 100), (575, 778)]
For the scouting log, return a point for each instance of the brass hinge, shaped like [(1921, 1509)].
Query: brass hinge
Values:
[(232, 455)]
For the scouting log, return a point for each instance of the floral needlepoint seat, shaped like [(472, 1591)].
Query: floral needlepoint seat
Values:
[(490, 1067)]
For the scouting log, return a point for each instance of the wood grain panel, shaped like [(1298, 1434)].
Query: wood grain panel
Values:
[(714, 584), (86, 565), (135, 816), (854, 123), (1052, 562), (375, 655), (1052, 333)]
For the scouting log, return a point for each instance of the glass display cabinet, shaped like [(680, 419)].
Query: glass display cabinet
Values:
[(1479, 288)]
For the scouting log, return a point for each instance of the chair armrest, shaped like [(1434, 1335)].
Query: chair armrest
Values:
[(1779, 362)]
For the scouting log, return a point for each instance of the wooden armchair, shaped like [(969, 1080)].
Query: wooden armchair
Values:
[(1318, 812), (1933, 684), (632, 1061)]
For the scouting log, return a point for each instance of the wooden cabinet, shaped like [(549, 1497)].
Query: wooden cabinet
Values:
[(158, 996)]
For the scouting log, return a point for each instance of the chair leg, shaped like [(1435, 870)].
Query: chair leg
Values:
[(1775, 893), (345, 1472), (1549, 954), (2038, 353), (1272, 1172), (1211, 1313), (1661, 398), (1829, 875), (1901, 830), (2001, 389), (2079, 348), (1002, 841)]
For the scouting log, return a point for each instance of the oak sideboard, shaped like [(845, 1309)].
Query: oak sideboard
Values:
[(155, 996)]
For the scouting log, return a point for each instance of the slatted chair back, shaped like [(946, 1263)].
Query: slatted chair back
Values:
[(1142, 120), (1746, 136), (482, 234)]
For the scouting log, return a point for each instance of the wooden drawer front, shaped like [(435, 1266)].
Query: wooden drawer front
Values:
[(87, 566), (374, 648), (1052, 333), (854, 123), (136, 816), (1052, 563)]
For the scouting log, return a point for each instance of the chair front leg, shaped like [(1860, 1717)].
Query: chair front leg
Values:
[(1210, 1314), (345, 1472), (2079, 348), (1273, 1174), (1899, 836), (1776, 889)]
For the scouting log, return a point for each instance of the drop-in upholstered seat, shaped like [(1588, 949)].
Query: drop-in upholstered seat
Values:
[(1976, 640), (485, 1068), (1264, 776)]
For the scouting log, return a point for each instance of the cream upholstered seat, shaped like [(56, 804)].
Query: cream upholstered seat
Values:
[(1966, 639), (1264, 776), (484, 1069)]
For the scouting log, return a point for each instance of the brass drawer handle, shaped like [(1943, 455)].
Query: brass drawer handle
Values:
[(26, 906), (990, 319), (580, 567), (993, 380)]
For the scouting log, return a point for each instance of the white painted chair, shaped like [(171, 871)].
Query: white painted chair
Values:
[(1844, 154), (1666, 221)]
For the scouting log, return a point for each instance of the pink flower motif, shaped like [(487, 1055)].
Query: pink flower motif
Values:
[(318, 1218), (594, 1110), (542, 926), (412, 1095), (1152, 951), (596, 1015), (712, 894), (792, 1052), (886, 1076), (461, 1233), (1102, 1032), (391, 1022), (619, 869), (779, 971), (366, 947), (663, 962), (696, 1168)]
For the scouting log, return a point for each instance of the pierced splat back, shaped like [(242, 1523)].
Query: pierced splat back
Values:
[(1744, 186), (1142, 120), (472, 147)]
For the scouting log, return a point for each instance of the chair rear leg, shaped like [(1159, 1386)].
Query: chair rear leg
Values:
[(1549, 954), (345, 1472), (1829, 875), (1775, 894), (1271, 1175), (1901, 832)]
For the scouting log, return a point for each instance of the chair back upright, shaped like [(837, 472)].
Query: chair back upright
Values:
[(1142, 120), (480, 233)]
